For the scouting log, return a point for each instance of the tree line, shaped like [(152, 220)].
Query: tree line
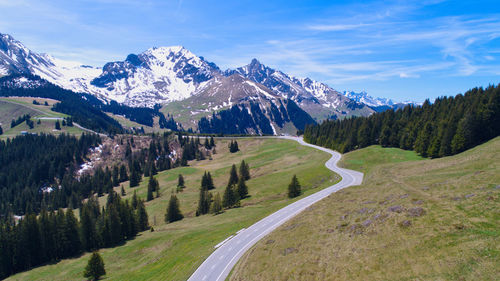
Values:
[(446, 127), (55, 235), (32, 168)]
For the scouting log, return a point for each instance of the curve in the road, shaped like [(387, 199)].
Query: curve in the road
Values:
[(219, 264)]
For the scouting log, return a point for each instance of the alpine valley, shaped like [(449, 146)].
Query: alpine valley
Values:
[(253, 99)]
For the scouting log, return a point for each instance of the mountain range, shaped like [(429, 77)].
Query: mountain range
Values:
[(188, 86)]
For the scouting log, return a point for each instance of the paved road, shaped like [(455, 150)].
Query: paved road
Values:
[(219, 264)]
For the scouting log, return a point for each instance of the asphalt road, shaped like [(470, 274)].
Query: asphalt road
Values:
[(219, 264)]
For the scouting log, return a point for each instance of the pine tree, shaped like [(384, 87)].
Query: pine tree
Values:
[(135, 200), (233, 176), (95, 267), (210, 182), (203, 202), (244, 170), (233, 147), (212, 142), (72, 234), (216, 207), (230, 197), (1, 130), (115, 176), (206, 144), (58, 125), (89, 238), (294, 188), (180, 182), (141, 216), (242, 188), (153, 186), (123, 174), (123, 191), (173, 211), (135, 176)]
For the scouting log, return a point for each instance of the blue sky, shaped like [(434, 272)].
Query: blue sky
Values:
[(405, 50)]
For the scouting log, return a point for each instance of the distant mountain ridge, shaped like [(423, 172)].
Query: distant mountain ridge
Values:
[(377, 104), (189, 86)]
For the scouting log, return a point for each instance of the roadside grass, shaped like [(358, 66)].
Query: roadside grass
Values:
[(174, 251), (376, 231)]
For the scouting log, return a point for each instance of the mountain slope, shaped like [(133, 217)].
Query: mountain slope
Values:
[(316, 98)]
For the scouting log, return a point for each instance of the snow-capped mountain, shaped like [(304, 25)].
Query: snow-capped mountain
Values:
[(15, 58), (364, 98), (168, 75), (158, 75), (316, 98), (376, 103)]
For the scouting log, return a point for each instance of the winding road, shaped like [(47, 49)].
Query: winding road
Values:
[(219, 264)]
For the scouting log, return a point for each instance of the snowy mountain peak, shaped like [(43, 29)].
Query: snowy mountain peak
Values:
[(363, 97)]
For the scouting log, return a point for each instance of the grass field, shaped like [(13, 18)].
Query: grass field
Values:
[(174, 251), (410, 220), (14, 107)]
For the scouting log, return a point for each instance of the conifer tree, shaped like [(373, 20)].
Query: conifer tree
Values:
[(212, 142), (216, 207), (58, 125), (141, 216), (153, 186), (233, 176), (206, 144), (123, 174), (244, 170), (95, 267), (242, 188), (294, 188), (135, 176), (180, 182), (231, 197), (71, 232), (135, 200), (115, 176), (173, 212), (203, 202), (1, 130), (123, 191), (210, 182)]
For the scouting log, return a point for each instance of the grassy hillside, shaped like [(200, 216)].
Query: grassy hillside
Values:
[(174, 251), (14, 107), (127, 123), (410, 220)]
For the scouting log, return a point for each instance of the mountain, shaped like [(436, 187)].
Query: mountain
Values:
[(158, 75), (242, 106), (318, 99), (188, 86), (15, 58), (377, 104)]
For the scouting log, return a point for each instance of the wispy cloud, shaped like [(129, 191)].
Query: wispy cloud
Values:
[(335, 27)]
